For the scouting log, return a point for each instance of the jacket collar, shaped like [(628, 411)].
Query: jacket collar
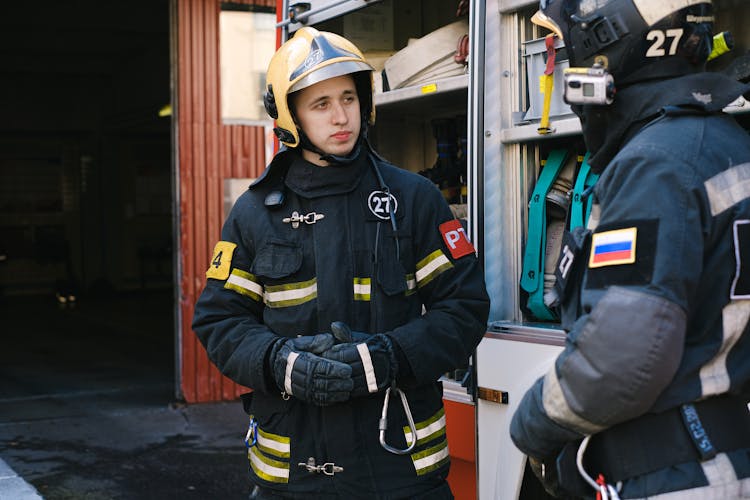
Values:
[(313, 181)]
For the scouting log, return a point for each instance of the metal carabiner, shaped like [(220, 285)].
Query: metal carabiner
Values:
[(383, 424), (251, 438)]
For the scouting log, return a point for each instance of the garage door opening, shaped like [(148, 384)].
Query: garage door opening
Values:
[(86, 198)]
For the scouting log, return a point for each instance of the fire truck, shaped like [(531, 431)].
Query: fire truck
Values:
[(461, 99)]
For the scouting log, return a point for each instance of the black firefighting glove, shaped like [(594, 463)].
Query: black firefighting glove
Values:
[(300, 372), (370, 356)]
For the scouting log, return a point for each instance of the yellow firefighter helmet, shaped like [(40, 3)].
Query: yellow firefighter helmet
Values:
[(309, 57)]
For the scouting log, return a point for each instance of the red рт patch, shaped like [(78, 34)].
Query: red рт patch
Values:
[(455, 238)]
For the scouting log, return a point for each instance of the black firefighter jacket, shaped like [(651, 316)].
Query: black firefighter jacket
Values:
[(329, 253), (666, 322)]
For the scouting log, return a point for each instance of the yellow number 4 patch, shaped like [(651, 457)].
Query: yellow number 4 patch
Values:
[(221, 262)]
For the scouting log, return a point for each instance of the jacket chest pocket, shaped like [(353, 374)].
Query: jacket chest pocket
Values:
[(277, 259), (390, 275)]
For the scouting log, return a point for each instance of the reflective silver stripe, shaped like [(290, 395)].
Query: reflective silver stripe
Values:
[(719, 470), (431, 458), (719, 492), (362, 289), (594, 216), (714, 374), (288, 374), (273, 443), (290, 294), (411, 284), (431, 266), (245, 284), (364, 354), (728, 188), (557, 407), (429, 429), (652, 11), (266, 468), (738, 259), (722, 483)]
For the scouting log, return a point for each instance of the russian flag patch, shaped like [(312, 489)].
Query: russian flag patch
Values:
[(612, 248)]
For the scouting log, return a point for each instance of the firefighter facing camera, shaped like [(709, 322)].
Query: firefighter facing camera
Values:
[(649, 397), (341, 290)]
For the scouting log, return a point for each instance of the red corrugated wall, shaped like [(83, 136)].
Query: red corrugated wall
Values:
[(209, 152)]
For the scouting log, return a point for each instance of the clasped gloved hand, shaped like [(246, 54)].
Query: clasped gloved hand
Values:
[(371, 358), (299, 371)]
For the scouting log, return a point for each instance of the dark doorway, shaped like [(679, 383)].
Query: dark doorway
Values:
[(86, 257)]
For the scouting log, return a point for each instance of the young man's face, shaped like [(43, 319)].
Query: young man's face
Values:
[(328, 113)]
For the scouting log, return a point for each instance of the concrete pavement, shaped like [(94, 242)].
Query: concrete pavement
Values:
[(123, 444), (88, 408)]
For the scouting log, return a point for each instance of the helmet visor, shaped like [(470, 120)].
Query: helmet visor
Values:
[(541, 19), (329, 71)]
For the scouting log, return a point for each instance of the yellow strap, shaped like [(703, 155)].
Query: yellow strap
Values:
[(547, 81)]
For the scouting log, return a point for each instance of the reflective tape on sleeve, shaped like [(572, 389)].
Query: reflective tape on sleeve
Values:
[(288, 374), (431, 266), (364, 354), (728, 188), (245, 283)]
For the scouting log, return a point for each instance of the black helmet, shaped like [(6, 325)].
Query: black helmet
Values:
[(634, 40)]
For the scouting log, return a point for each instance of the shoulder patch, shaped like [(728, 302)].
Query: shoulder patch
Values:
[(741, 282), (455, 238), (613, 259), (611, 248), (221, 261)]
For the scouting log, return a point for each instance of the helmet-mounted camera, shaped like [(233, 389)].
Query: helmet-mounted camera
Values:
[(593, 85)]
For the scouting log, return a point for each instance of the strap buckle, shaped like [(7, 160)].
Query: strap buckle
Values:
[(296, 218), (328, 468)]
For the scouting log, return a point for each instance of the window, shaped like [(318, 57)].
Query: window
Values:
[(247, 42)]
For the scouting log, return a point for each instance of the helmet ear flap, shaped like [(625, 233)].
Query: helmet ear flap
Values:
[(285, 136), (269, 102)]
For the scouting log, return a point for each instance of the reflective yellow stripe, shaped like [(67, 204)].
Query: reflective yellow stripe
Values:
[(245, 284), (266, 468), (431, 458), (362, 288), (411, 284), (273, 444), (291, 294), (431, 266), (428, 430)]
